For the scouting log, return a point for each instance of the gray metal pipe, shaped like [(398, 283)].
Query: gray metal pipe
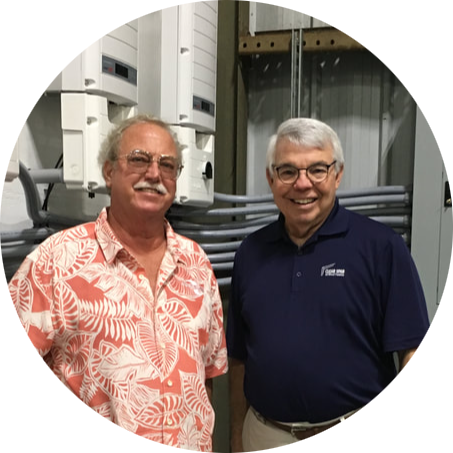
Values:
[(187, 225), (33, 203), (222, 234), (402, 198), (18, 251), (243, 198), (220, 247), (367, 191), (263, 209), (47, 176), (345, 193), (224, 282), (32, 198), (32, 234), (393, 221), (221, 257), (377, 199), (222, 266)]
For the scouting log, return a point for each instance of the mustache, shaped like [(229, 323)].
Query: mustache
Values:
[(158, 187)]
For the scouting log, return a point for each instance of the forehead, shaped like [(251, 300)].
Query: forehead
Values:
[(288, 151), (148, 137)]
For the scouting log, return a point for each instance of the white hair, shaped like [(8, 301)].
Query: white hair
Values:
[(306, 132)]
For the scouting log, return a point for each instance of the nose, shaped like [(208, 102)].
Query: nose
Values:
[(153, 172), (302, 180)]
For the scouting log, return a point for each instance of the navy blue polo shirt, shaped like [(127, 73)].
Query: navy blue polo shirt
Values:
[(317, 326)]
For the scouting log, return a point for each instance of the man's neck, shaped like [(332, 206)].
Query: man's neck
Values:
[(144, 236)]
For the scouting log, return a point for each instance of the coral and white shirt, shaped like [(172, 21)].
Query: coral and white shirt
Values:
[(137, 358)]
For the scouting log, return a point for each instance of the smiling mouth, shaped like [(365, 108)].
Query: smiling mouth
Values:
[(304, 201)]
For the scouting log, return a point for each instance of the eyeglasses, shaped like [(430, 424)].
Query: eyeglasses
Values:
[(139, 161), (316, 173)]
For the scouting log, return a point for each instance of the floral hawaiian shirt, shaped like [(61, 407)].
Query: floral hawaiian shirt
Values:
[(140, 359)]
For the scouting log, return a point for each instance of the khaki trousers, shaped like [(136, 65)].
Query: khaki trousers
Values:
[(259, 436)]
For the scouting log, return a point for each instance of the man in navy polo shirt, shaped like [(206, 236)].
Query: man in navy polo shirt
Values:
[(321, 299)]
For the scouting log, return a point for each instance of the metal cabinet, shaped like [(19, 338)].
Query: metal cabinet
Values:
[(431, 241)]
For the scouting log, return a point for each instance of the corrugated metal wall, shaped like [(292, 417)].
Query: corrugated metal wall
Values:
[(353, 91), (356, 94)]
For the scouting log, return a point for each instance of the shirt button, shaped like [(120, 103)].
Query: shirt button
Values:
[(170, 383), (299, 274), (169, 422)]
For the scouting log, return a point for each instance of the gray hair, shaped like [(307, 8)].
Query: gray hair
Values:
[(111, 144), (306, 132)]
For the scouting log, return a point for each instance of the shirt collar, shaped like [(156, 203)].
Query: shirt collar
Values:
[(111, 246), (335, 224), (173, 242), (106, 238)]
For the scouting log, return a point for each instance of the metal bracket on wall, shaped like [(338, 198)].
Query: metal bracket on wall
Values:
[(296, 71), (315, 40), (447, 196)]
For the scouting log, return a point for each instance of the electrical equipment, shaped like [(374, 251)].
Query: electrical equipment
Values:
[(163, 64), (178, 54), (98, 88), (107, 68), (86, 120), (196, 182)]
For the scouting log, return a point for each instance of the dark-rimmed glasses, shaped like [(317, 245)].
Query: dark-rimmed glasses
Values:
[(316, 173), (139, 161)]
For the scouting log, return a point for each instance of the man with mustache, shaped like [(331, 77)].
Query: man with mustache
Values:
[(321, 300), (126, 312)]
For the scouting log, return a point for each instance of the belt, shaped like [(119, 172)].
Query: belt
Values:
[(297, 430)]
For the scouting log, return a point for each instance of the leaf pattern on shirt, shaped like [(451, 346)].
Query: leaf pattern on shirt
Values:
[(114, 318), (67, 306), (161, 350), (137, 358), (21, 292), (172, 405), (187, 280), (71, 258), (176, 320), (189, 438), (77, 350)]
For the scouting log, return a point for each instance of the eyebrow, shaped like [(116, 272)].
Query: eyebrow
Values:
[(293, 165)]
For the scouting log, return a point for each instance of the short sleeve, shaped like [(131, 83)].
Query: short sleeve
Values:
[(406, 316), (31, 293), (216, 354)]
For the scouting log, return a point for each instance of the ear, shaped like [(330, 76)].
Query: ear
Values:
[(338, 177), (270, 179), (107, 171)]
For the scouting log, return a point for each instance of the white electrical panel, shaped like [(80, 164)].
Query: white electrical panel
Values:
[(177, 82), (86, 120), (98, 88), (178, 55), (196, 183), (108, 68)]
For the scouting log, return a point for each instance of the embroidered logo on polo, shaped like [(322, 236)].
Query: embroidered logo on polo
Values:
[(329, 270)]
